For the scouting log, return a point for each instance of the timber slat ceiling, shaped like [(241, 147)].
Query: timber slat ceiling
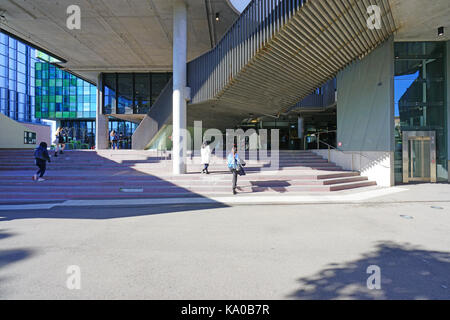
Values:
[(312, 44)]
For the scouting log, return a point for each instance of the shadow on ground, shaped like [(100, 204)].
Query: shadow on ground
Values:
[(407, 272), (11, 256), (103, 212)]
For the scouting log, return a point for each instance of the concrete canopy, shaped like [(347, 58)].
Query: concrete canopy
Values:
[(115, 35)]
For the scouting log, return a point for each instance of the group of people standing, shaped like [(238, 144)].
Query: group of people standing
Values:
[(117, 140), (234, 162)]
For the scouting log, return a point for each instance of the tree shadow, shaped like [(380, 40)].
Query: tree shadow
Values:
[(407, 272), (11, 256)]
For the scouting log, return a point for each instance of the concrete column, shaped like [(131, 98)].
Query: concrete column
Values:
[(101, 121), (179, 86), (447, 80)]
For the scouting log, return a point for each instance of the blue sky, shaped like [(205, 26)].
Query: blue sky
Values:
[(240, 4), (402, 83)]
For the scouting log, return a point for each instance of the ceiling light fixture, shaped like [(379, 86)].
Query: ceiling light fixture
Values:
[(440, 31), (217, 16)]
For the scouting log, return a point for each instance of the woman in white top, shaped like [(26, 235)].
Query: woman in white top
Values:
[(206, 156)]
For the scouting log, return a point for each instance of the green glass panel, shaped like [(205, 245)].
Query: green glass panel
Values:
[(38, 114), (66, 82), (38, 100), (66, 114), (58, 114), (51, 106), (38, 82), (51, 114), (73, 114), (58, 99), (58, 82), (51, 82), (73, 82), (73, 99), (38, 66)]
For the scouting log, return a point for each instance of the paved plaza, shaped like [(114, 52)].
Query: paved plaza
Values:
[(316, 250)]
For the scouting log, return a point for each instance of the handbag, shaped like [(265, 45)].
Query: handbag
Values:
[(241, 170)]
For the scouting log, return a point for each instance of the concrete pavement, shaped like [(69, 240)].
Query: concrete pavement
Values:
[(220, 251)]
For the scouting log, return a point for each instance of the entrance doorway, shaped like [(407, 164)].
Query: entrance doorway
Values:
[(419, 156)]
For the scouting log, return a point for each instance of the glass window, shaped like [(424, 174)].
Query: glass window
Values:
[(419, 98), (142, 93)]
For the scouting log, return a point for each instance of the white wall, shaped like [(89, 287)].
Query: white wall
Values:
[(12, 134), (376, 165)]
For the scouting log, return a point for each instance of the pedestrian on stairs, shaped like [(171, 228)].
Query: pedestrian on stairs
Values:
[(59, 141), (41, 156), (206, 156), (114, 140), (235, 165)]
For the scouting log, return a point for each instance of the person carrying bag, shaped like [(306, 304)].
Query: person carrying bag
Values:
[(235, 165)]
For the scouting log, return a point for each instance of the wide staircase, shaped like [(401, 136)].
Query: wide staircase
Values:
[(123, 174)]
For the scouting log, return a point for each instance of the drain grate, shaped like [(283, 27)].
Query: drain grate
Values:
[(406, 217), (436, 207)]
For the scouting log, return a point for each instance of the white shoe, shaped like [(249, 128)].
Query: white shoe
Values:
[(41, 179)]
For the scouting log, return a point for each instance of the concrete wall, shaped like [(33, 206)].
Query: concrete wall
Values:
[(365, 102), (43, 132), (365, 114), (376, 165), (12, 134)]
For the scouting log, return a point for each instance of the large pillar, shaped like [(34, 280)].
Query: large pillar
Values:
[(179, 86), (101, 121), (447, 83)]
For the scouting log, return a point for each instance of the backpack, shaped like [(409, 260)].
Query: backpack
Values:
[(39, 153)]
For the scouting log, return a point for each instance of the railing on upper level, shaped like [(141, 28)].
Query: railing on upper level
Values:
[(258, 23)]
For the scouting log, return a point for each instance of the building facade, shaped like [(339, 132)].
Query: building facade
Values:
[(20, 127)]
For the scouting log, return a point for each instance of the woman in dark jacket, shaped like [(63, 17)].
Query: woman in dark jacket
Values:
[(41, 156)]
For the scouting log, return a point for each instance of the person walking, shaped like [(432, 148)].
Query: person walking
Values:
[(206, 156), (59, 141), (41, 156), (235, 165), (114, 138)]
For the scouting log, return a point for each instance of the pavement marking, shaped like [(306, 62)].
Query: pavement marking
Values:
[(297, 199)]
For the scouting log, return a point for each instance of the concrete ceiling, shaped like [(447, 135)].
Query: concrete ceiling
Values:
[(115, 35), (418, 20)]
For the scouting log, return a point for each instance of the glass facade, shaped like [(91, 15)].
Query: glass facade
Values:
[(17, 90), (132, 93), (420, 104), (61, 95), (124, 130)]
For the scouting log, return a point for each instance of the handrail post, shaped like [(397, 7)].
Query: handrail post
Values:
[(318, 140), (329, 151)]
